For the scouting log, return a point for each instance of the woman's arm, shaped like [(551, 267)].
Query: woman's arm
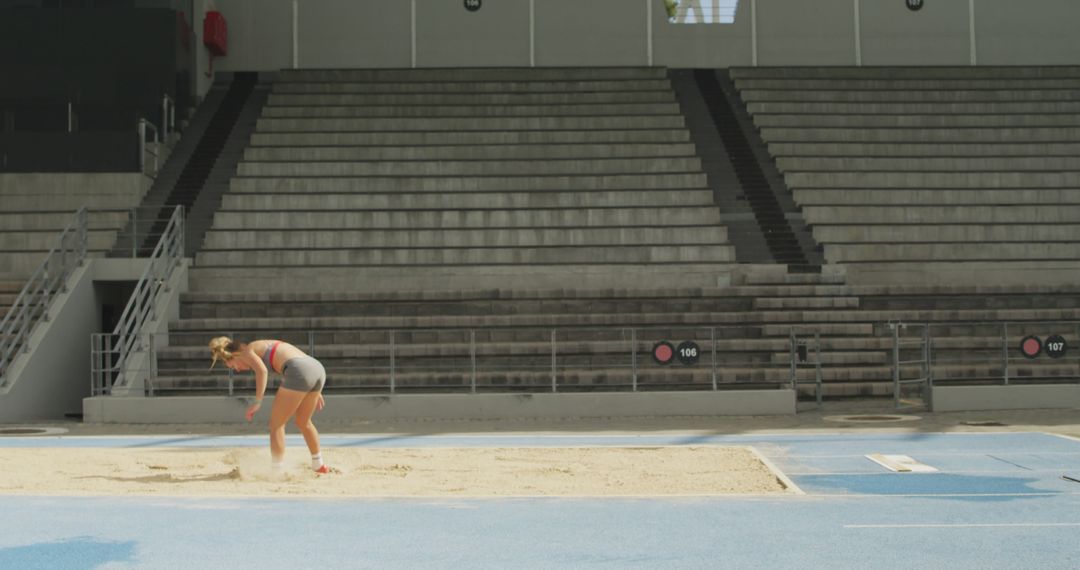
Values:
[(261, 373)]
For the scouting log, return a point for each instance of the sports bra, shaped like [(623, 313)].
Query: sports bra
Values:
[(268, 354)]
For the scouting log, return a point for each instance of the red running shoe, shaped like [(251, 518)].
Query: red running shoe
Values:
[(324, 469)]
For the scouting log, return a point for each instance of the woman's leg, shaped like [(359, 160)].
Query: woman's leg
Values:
[(286, 402), (303, 421)]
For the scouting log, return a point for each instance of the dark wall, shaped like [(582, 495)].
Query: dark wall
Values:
[(106, 151), (75, 79), (104, 57)]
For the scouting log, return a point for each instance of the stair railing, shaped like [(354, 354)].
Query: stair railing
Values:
[(33, 302), (111, 352)]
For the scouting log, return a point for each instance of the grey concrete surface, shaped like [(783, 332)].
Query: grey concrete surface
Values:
[(807, 420)]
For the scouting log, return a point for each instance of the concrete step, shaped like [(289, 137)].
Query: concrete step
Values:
[(448, 184), (736, 326), (214, 305), (940, 180), (909, 95), (891, 121), (898, 197), (778, 276), (470, 168), (12, 241), (951, 252), (972, 135), (680, 298), (879, 358), (897, 108), (911, 233), (921, 150), (890, 84), (472, 99), (869, 215), (469, 219), (472, 74), (808, 303), (929, 164), (57, 221), (265, 125), (620, 254), (506, 380), (466, 137), (920, 72), (25, 263), (417, 87), (427, 278), (437, 111), (67, 204), (411, 238), (470, 152), (465, 200)]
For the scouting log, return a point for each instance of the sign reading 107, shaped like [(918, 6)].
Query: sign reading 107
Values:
[(473, 5)]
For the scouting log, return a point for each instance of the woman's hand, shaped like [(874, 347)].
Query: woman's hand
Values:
[(252, 409), (320, 403)]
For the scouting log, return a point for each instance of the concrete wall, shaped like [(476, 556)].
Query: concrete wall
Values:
[(196, 409), (130, 184), (972, 398), (376, 33), (54, 377)]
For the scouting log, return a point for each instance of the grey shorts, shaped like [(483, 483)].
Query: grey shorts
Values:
[(303, 374)]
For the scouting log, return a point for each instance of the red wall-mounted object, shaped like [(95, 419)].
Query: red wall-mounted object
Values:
[(215, 33)]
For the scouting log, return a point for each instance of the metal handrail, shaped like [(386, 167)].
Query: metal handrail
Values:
[(143, 126), (32, 304), (168, 117), (126, 338)]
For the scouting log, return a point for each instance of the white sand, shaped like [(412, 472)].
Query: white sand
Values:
[(427, 472)]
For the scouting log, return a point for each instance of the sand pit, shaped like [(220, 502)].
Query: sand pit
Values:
[(426, 472)]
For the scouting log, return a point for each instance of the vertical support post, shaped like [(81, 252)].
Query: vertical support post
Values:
[(295, 34), (43, 305), (633, 357), (648, 33), (753, 33), (93, 363), (181, 231), (532, 33), (858, 35), (896, 363), (69, 117), (134, 232), (393, 379), (472, 360), (712, 339), (142, 145), (311, 343), (926, 358), (792, 376), (929, 370), (232, 387), (971, 32), (1005, 350), (554, 385), (817, 366), (164, 117), (412, 18)]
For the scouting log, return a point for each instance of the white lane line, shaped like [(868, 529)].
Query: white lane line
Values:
[(945, 472), (961, 525), (1063, 436), (784, 479)]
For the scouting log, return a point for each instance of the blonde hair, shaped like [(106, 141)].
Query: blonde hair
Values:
[(223, 348)]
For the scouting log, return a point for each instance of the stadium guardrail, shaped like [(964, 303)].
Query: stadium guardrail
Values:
[(32, 304)]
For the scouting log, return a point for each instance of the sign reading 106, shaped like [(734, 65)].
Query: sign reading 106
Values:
[(473, 5)]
